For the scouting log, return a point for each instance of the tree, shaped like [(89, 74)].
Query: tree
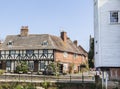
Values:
[(91, 54), (53, 68)]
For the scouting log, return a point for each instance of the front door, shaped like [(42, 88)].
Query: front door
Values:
[(8, 66), (61, 68), (0, 64)]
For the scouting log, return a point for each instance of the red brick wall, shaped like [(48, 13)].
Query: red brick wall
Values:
[(115, 73), (59, 56)]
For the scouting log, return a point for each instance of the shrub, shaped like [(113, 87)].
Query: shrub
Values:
[(22, 66), (45, 84), (1, 72)]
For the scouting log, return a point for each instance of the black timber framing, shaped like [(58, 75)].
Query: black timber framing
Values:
[(21, 55)]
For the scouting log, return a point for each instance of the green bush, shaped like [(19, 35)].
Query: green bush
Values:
[(22, 66), (5, 86), (1, 72), (17, 86), (30, 86), (45, 84)]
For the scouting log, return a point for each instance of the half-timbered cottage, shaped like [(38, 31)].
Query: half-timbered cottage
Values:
[(39, 50)]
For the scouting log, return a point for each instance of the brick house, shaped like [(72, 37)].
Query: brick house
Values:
[(39, 50)]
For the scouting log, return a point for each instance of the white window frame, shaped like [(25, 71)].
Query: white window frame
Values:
[(65, 54)]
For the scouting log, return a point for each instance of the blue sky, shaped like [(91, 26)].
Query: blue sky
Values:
[(48, 17)]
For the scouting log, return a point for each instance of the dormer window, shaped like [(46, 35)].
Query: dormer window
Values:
[(10, 43), (44, 43)]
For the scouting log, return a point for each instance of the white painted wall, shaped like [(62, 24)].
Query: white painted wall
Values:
[(107, 35)]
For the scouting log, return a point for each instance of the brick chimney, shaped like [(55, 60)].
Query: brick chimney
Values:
[(64, 36), (24, 31), (75, 42)]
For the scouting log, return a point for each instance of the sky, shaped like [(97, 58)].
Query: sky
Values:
[(48, 17)]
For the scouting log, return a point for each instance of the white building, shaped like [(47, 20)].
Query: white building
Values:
[(107, 33)]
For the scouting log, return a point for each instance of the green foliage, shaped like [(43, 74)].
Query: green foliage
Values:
[(17, 86), (29, 86), (1, 72), (5, 86), (91, 55), (70, 67), (45, 84), (54, 68), (49, 85), (22, 66)]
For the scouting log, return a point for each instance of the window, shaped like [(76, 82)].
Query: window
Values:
[(44, 43), (114, 17), (31, 65), (12, 52), (29, 52), (45, 51), (65, 66), (42, 65), (8, 63), (10, 43), (65, 54), (75, 55)]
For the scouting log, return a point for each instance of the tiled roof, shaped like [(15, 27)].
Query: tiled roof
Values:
[(36, 41), (82, 50)]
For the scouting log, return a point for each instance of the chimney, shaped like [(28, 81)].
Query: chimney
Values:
[(75, 42), (64, 36), (24, 31)]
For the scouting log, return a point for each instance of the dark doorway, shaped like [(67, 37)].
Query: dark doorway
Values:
[(61, 68), (0, 64)]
